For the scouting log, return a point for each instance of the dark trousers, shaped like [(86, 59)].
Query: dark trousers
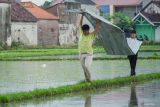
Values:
[(133, 61)]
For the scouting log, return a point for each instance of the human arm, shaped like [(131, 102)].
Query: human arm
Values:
[(97, 27), (81, 21)]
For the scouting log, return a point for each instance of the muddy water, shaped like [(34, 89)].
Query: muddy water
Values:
[(142, 95), (28, 75)]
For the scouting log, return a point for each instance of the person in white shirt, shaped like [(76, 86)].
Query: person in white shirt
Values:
[(134, 45)]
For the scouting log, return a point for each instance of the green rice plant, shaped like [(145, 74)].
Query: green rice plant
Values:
[(77, 88)]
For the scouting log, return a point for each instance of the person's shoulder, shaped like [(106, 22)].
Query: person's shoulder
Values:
[(92, 35)]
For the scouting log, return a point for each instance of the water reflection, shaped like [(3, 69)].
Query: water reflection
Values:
[(133, 97), (142, 95), (88, 102)]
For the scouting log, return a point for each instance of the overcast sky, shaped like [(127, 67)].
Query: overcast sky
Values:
[(38, 2)]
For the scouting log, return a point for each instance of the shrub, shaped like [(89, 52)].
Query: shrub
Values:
[(3, 46), (17, 45)]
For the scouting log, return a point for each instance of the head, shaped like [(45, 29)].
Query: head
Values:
[(85, 29), (133, 34)]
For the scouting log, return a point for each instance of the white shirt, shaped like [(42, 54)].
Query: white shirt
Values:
[(134, 44)]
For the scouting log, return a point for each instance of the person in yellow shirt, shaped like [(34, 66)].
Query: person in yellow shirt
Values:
[(85, 47)]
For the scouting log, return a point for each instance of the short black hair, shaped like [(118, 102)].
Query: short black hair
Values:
[(133, 31), (85, 27)]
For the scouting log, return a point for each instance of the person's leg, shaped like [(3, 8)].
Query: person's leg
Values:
[(88, 62), (134, 62), (131, 61), (82, 60)]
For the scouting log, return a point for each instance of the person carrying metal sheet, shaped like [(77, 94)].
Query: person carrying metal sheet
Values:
[(85, 46)]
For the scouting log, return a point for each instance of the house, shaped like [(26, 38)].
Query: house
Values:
[(5, 22), (18, 1), (47, 24), (147, 22), (84, 4), (89, 5), (68, 21), (128, 7), (23, 25), (59, 8), (145, 2)]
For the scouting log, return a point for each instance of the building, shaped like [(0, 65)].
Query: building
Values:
[(47, 24), (89, 5), (84, 4), (18, 1), (147, 22), (5, 22), (23, 24), (60, 7), (128, 7), (69, 21)]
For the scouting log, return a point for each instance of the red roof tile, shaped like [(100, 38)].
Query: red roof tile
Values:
[(19, 13), (118, 2), (38, 12)]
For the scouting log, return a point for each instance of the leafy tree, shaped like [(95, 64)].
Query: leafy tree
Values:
[(121, 20)]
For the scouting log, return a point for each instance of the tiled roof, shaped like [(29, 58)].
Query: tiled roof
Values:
[(6, 1), (56, 2), (152, 17), (18, 13), (88, 2), (118, 2), (157, 3), (38, 12)]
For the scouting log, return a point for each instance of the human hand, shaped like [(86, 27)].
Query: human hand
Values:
[(82, 12)]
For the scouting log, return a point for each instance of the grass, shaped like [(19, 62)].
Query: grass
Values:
[(79, 87), (25, 53), (150, 48), (36, 52), (7, 54), (71, 59)]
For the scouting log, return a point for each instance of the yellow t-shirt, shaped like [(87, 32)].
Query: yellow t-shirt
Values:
[(85, 42)]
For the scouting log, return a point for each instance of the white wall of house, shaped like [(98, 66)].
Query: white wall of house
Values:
[(25, 32), (91, 8), (5, 21), (157, 35), (48, 32), (68, 34), (111, 10)]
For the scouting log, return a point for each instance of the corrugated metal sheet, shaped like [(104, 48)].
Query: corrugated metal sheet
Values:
[(112, 37)]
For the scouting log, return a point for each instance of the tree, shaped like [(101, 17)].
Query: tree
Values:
[(121, 20)]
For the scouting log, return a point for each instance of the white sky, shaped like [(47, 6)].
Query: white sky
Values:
[(38, 2)]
